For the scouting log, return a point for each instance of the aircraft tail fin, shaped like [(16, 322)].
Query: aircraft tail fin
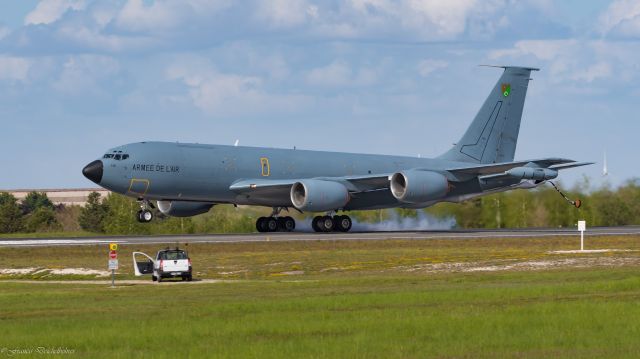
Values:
[(493, 134)]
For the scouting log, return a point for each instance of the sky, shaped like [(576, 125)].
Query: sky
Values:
[(368, 76)]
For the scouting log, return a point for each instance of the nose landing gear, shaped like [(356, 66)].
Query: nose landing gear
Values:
[(144, 215)]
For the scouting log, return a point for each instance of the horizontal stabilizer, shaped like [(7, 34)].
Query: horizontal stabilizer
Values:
[(570, 165)]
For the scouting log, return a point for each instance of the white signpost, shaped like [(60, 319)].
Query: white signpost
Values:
[(582, 226), (113, 264)]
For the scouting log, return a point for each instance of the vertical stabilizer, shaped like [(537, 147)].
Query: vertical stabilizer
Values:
[(493, 134)]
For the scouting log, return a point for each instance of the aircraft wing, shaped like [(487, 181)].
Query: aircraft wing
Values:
[(275, 187), (274, 190), (496, 168)]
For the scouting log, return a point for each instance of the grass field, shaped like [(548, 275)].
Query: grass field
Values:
[(430, 298)]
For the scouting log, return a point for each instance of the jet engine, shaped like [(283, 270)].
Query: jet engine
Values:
[(183, 208), (318, 195), (416, 186)]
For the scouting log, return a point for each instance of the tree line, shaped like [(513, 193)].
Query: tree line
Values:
[(33, 214), (541, 207)]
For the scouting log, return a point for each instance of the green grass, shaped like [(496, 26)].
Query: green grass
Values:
[(370, 304), (577, 314), (321, 259)]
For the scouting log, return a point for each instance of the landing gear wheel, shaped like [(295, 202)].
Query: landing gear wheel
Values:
[(343, 223), (315, 223), (261, 224), (287, 224), (146, 216), (271, 224), (326, 224)]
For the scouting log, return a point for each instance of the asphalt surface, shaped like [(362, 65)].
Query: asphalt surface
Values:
[(301, 236)]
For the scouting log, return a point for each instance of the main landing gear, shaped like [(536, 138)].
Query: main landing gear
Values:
[(274, 223), (144, 215), (331, 224)]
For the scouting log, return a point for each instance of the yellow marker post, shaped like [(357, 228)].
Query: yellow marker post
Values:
[(113, 246)]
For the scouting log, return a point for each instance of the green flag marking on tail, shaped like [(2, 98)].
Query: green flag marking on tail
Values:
[(506, 89)]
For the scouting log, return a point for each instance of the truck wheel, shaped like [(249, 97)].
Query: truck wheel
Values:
[(154, 278), (189, 278)]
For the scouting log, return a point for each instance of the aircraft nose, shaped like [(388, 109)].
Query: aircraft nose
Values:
[(93, 171)]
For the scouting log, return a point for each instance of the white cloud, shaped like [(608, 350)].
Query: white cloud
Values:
[(86, 75), (4, 31), (286, 13), (422, 19), (577, 61), (594, 72), (143, 26), (14, 68), (445, 18), (96, 40), (426, 67), (339, 73), (622, 17), (49, 11), (217, 93), (135, 15)]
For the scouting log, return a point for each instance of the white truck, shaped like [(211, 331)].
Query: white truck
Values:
[(168, 263)]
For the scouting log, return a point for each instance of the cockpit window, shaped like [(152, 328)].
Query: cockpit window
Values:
[(116, 156)]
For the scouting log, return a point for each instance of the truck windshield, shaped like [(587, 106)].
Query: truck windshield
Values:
[(173, 255)]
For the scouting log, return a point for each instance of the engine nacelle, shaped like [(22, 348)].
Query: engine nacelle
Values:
[(318, 195), (418, 186), (532, 173), (183, 208)]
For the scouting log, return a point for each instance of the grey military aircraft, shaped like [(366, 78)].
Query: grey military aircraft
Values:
[(187, 179)]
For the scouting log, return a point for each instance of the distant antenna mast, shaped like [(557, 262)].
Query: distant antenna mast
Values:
[(605, 170)]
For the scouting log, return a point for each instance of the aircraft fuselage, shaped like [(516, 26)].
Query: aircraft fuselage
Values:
[(204, 173)]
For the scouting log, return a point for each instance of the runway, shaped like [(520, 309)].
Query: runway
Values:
[(301, 236)]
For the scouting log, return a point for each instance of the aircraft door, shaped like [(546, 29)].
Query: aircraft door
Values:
[(143, 265), (265, 167), (138, 187)]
